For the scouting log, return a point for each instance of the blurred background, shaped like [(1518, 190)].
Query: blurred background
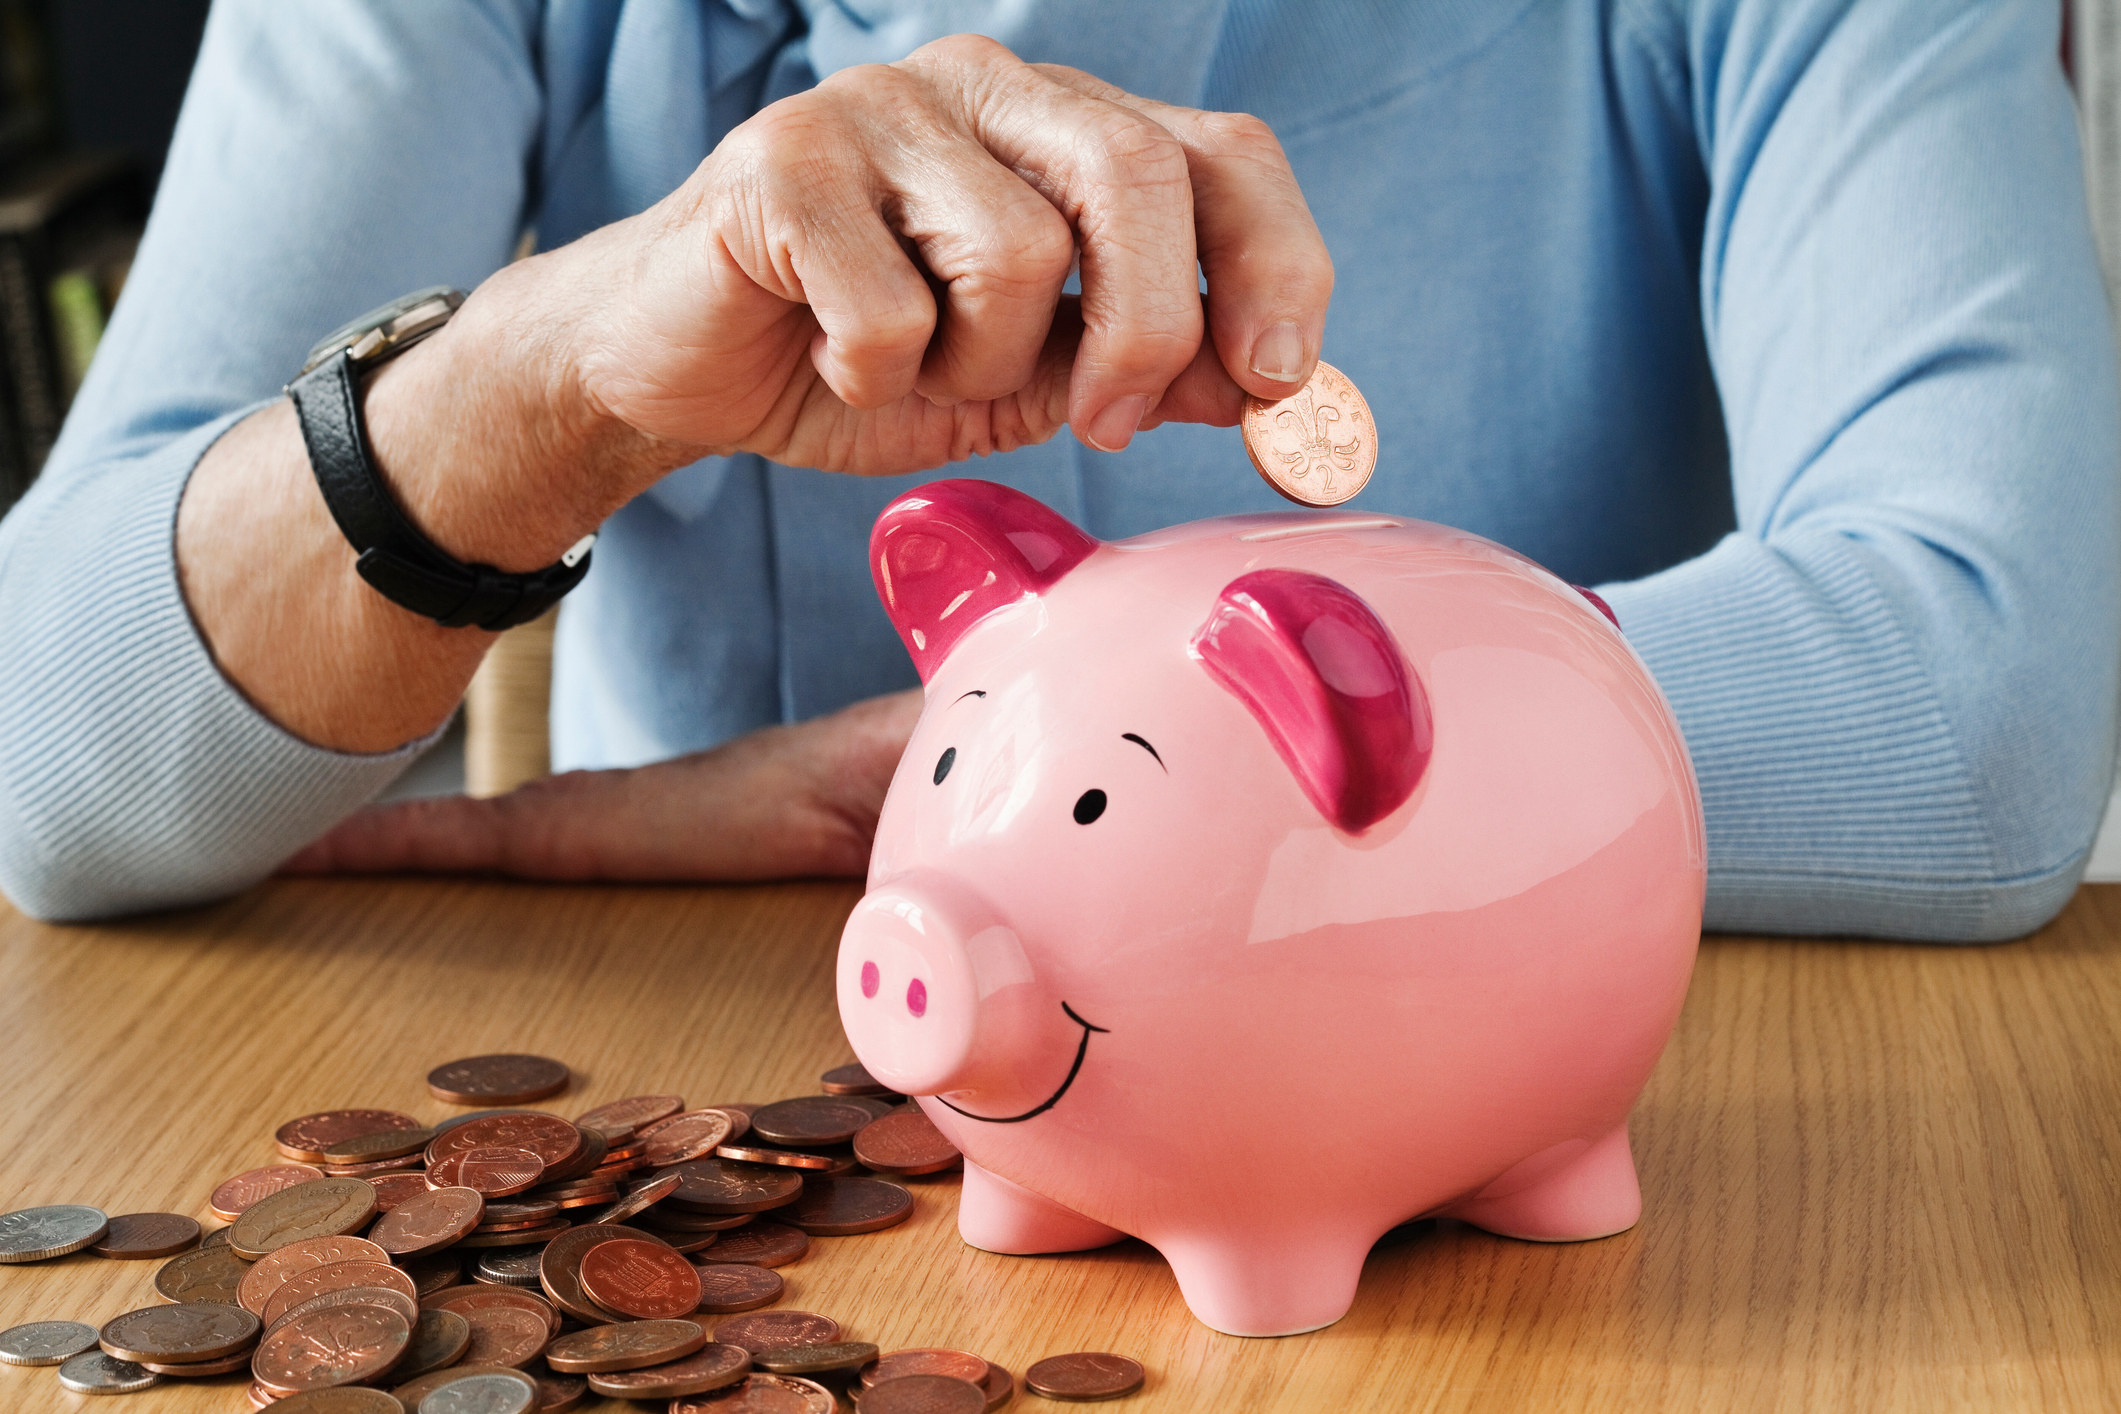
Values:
[(89, 92)]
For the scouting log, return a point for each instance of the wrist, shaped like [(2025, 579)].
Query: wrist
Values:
[(486, 439)]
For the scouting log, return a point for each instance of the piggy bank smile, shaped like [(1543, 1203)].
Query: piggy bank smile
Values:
[(1292, 815)]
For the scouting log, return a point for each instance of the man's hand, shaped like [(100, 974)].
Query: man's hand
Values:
[(868, 276), (785, 802)]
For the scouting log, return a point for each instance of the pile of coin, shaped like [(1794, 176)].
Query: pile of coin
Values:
[(508, 1260)]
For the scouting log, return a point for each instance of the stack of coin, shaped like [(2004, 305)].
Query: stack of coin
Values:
[(509, 1260)]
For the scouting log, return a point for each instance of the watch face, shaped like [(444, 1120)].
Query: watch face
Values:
[(395, 327)]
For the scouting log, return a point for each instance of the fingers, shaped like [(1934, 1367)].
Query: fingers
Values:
[(808, 227), (1121, 181), (445, 835), (1268, 272)]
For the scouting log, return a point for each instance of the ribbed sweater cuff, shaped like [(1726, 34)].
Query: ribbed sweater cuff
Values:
[(1836, 799), (132, 774)]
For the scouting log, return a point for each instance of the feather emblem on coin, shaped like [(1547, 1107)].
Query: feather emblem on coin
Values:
[(1318, 446)]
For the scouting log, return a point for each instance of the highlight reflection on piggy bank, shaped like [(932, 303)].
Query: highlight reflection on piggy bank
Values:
[(1255, 886)]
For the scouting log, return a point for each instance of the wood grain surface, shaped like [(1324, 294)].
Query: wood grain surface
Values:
[(1877, 1177)]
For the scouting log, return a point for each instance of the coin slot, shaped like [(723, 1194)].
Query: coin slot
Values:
[(1317, 527)]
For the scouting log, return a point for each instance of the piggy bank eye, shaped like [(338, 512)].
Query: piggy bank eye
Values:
[(1088, 806), (944, 763)]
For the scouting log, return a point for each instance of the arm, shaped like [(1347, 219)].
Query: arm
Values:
[(1898, 677), (778, 302)]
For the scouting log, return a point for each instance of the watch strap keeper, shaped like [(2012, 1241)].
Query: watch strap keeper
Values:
[(396, 559)]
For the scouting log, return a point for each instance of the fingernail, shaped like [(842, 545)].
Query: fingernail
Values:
[(1112, 429), (1279, 354)]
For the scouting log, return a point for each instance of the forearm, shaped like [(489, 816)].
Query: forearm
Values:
[(484, 438)]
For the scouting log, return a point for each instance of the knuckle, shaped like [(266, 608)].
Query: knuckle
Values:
[(1242, 135), (961, 51), (1122, 146)]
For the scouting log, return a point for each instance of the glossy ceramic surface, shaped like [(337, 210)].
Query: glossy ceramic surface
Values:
[(1254, 886)]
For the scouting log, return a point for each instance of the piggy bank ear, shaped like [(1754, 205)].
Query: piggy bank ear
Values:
[(953, 552), (1327, 681)]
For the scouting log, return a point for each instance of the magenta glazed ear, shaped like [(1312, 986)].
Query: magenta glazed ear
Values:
[(1327, 681), (953, 552)]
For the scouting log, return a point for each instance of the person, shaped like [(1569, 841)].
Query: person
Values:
[(1776, 321)]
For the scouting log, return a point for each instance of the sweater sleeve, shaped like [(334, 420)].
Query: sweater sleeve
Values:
[(328, 157), (1897, 677)]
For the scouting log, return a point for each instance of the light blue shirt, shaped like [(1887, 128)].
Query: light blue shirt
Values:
[(1776, 320)]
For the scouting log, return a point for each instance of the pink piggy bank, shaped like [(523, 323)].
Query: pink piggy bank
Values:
[(1257, 885)]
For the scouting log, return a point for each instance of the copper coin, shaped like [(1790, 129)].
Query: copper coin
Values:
[(552, 1139), (880, 1105), (1319, 445), (640, 1277), (217, 1238), (409, 1164), (516, 1237), (852, 1079), (389, 1296), (348, 1345), (1085, 1375), (998, 1385), (347, 1399), (559, 1392), (334, 1276), (669, 1219), (719, 1186), (394, 1188), (922, 1394), (686, 1242), (133, 1235), (957, 1364), (306, 1139), (691, 1135), (654, 1191), (382, 1144), (175, 1335), (762, 1244), (560, 1269), (266, 1275), (905, 1142), (626, 1345), (492, 1170), (45, 1342), (34, 1234), (234, 1195), (433, 1220), (203, 1369), (503, 1335), (210, 1274), (413, 1393), (708, 1368), (433, 1271), (785, 1158), (761, 1394), (809, 1121), (777, 1330), (841, 1207), (588, 1154), (442, 1125), (519, 1224), (622, 1117), (468, 1301), (837, 1358), (326, 1207), (93, 1372), (497, 1080), (727, 1287), (528, 1210)]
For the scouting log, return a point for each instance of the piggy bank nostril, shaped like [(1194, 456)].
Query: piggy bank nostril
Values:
[(870, 979), (917, 997)]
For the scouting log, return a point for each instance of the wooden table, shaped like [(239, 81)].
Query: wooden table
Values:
[(1877, 1177)]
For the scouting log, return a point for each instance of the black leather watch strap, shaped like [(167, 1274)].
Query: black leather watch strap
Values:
[(401, 563)]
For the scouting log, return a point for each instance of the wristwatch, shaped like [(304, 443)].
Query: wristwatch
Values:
[(396, 559)]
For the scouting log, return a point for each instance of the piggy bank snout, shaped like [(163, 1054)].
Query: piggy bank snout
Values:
[(915, 959)]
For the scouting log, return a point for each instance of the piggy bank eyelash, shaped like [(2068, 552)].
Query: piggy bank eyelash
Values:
[(944, 763), (1088, 806)]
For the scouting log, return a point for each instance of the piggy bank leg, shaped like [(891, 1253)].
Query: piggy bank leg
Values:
[(1260, 1284), (996, 1215), (1570, 1193)]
